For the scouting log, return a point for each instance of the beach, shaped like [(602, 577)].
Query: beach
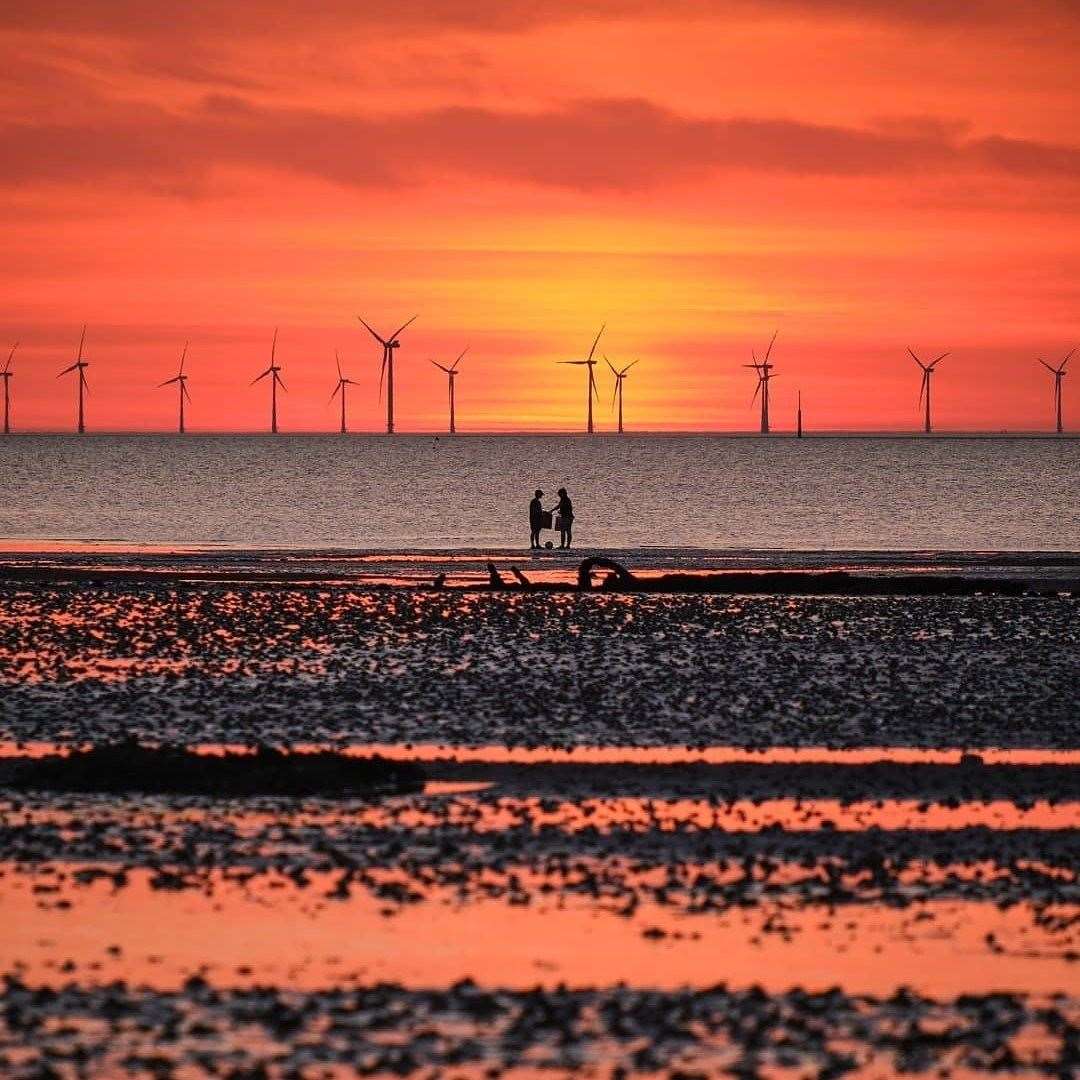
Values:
[(668, 833)]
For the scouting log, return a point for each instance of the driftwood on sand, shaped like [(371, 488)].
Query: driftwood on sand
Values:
[(609, 575)]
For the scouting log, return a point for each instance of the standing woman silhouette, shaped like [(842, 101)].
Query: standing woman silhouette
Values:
[(565, 509)]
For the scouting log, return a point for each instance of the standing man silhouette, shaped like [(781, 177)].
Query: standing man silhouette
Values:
[(536, 519)]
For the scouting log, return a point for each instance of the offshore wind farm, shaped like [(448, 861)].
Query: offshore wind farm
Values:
[(764, 369)]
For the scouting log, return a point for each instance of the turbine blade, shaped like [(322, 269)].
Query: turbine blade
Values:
[(168, 382), (575, 363), (281, 382), (372, 333), (1068, 357), (273, 347), (768, 351), (183, 357), (67, 369), (402, 327), (1053, 371), (337, 390), (82, 339), (453, 366), (11, 356), (923, 384), (615, 392), (382, 374), (610, 365), (259, 378), (916, 359), (184, 390), (597, 341), (440, 367), (337, 360), (939, 359), (592, 384), (629, 366), (757, 390)]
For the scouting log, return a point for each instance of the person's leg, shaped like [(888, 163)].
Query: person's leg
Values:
[(569, 534)]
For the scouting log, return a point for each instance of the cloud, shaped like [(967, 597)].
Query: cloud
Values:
[(258, 18), (604, 144)]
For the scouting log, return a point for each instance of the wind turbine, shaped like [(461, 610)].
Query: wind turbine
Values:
[(387, 370), (275, 381), (6, 375), (1058, 373), (80, 365), (618, 394), (181, 381), (452, 373), (798, 415), (589, 363), (924, 387), (764, 373), (342, 382)]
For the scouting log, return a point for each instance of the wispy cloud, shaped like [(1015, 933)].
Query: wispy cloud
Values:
[(134, 18), (615, 144)]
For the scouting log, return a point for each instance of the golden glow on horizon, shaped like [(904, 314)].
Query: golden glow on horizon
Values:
[(516, 175)]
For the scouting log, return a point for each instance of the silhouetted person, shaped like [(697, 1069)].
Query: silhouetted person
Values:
[(536, 519), (565, 509)]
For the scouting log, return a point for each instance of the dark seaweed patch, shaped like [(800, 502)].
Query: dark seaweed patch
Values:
[(127, 767)]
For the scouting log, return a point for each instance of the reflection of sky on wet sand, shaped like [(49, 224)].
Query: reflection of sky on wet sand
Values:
[(497, 813), (438, 753), (257, 932)]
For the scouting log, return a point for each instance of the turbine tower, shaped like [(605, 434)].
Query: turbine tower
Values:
[(342, 382), (1058, 373), (181, 382), (924, 387), (798, 415), (80, 366), (6, 375), (387, 370), (764, 373), (590, 390), (451, 374), (618, 394), (275, 381)]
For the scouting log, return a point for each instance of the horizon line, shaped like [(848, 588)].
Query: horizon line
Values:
[(556, 433)]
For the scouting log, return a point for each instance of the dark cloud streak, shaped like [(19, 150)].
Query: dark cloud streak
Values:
[(134, 19), (608, 144)]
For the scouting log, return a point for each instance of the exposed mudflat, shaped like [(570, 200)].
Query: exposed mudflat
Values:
[(238, 665), (470, 1031), (633, 908)]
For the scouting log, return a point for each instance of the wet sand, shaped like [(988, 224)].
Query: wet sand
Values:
[(341, 665), (659, 835)]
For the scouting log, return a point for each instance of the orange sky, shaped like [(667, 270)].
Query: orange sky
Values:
[(861, 174)]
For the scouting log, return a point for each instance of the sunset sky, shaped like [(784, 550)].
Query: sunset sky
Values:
[(860, 174)]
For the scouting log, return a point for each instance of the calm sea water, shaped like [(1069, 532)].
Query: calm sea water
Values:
[(412, 492)]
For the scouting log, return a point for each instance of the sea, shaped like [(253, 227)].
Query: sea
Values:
[(632, 492)]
